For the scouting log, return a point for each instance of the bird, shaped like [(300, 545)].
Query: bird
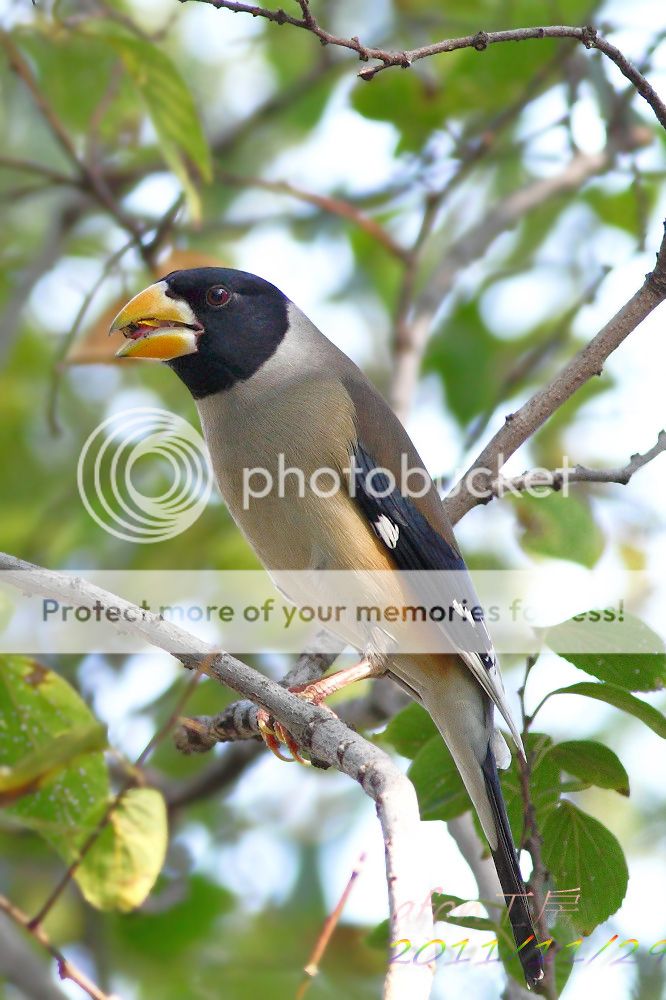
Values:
[(269, 386)]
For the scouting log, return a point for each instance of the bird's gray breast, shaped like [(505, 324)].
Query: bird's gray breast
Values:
[(276, 454)]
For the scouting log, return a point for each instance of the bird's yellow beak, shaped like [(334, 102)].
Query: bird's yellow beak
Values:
[(157, 327)]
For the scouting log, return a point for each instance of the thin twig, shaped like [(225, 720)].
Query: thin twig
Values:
[(556, 479), (478, 480), (480, 40), (72, 334), (66, 969), (91, 179), (22, 166), (328, 203), (312, 968), (470, 246)]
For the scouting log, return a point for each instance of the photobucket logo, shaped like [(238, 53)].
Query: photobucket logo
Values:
[(120, 495), (411, 481)]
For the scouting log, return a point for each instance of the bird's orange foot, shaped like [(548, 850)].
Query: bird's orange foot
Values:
[(273, 734)]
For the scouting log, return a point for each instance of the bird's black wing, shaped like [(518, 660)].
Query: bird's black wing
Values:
[(415, 545)]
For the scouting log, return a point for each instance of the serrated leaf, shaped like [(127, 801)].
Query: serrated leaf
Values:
[(592, 762), (122, 866), (617, 696), (438, 784), (409, 731), (590, 643), (580, 853)]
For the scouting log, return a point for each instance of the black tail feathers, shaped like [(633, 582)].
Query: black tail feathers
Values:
[(513, 887)]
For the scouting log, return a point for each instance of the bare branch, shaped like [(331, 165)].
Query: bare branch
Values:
[(555, 479), (315, 728), (18, 965), (520, 426), (480, 41), (328, 203), (66, 969), (238, 721)]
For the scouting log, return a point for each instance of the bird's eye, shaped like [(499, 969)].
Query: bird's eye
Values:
[(217, 296)]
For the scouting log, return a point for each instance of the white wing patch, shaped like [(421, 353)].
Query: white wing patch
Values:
[(464, 613), (387, 531)]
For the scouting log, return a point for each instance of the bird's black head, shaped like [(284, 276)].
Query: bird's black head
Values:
[(213, 325)]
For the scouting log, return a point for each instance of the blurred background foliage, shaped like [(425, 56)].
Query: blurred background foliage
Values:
[(503, 203)]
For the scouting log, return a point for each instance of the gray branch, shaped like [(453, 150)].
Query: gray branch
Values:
[(318, 730), (477, 482)]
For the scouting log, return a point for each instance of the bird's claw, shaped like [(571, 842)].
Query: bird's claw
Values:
[(273, 734)]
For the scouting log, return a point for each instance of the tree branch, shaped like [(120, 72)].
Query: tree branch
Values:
[(556, 479), (481, 40), (315, 728), (90, 179), (471, 245), (238, 721), (477, 482), (327, 203), (19, 966), (66, 969)]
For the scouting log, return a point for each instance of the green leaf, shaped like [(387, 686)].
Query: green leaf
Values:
[(36, 768), (560, 527), (168, 102), (409, 731), (438, 784), (39, 709), (185, 913), (580, 853), (620, 698), (122, 866), (594, 639), (379, 936), (443, 903), (623, 209), (45, 724), (592, 762), (463, 352)]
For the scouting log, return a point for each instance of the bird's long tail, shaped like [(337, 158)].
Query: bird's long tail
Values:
[(513, 887), (464, 716)]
